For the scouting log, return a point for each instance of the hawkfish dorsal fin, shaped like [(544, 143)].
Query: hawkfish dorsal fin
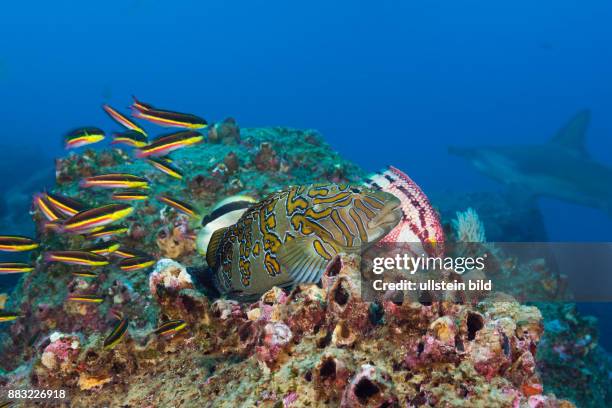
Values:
[(213, 246), (301, 261)]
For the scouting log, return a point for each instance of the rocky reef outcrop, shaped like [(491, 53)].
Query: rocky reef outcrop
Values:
[(315, 345)]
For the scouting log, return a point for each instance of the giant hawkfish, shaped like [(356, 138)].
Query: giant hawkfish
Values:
[(289, 237)]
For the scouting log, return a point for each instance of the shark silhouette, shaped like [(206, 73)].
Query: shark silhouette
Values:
[(561, 168)]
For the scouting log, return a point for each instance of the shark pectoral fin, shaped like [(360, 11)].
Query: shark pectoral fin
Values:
[(301, 262), (572, 136)]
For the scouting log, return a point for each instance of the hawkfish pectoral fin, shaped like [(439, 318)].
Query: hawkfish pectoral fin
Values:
[(213, 246), (301, 261)]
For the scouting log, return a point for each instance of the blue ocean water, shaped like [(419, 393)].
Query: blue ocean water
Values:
[(385, 82)]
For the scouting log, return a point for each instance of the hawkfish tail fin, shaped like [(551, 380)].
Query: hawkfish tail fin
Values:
[(213, 247)]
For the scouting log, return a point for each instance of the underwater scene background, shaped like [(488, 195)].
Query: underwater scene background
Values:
[(368, 84)]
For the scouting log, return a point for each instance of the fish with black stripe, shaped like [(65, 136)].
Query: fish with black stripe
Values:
[(166, 118), (118, 332), (91, 221), (225, 213), (164, 145), (15, 267), (66, 205), (83, 137), (130, 138), (289, 237), (17, 243), (122, 120)]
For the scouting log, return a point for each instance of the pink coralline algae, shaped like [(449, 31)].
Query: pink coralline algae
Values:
[(60, 354)]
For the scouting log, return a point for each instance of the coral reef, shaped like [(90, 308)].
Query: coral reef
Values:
[(316, 345)]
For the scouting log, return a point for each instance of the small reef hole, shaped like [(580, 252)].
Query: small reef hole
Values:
[(505, 344), (328, 369), (459, 343), (474, 323), (397, 298), (365, 389), (420, 348), (244, 332), (341, 295), (425, 299)]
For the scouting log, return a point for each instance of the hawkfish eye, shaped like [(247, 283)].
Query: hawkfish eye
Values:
[(355, 190)]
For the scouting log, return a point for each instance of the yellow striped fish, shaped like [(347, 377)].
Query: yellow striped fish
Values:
[(178, 205), (130, 195), (85, 274), (85, 298), (122, 120), (289, 237), (108, 231), (16, 243), (165, 166), (83, 137), (82, 258), (103, 248), (170, 327), (136, 263), (91, 220), (115, 180), (130, 138), (48, 210), (169, 143), (15, 267), (118, 333), (66, 205), (166, 118), (8, 316)]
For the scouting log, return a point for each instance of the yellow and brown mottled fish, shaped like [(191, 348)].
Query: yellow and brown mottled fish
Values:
[(17, 243), (289, 237)]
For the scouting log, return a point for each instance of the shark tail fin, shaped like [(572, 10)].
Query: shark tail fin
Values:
[(573, 135)]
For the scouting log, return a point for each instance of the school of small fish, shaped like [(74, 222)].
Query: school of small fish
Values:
[(99, 225), (283, 240)]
